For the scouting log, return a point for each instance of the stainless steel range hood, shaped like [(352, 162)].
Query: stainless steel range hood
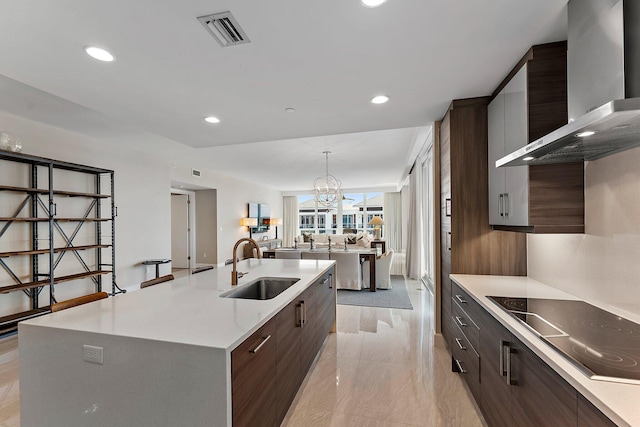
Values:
[(603, 65), (616, 125)]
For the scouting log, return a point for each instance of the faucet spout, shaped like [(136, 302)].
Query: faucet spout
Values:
[(234, 272)]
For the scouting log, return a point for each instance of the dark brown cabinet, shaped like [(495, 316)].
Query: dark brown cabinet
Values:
[(467, 242), (269, 367), (530, 103), (253, 379), (590, 416), (512, 385)]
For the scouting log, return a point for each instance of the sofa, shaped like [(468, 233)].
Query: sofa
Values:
[(354, 241)]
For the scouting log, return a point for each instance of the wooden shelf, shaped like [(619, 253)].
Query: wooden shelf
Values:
[(61, 279), (55, 250), (56, 192), (81, 219), (10, 321), (12, 219)]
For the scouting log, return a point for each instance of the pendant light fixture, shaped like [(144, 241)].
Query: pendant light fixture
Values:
[(327, 188)]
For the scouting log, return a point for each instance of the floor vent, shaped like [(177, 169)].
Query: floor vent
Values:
[(224, 28), (195, 172)]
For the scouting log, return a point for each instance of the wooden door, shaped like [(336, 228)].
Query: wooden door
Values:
[(540, 396), (495, 393)]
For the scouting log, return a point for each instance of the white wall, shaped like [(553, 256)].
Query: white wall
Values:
[(232, 198), (603, 265), (142, 194)]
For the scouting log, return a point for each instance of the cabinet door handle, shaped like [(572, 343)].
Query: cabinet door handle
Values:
[(264, 340), (459, 342), (500, 204), (331, 281), (303, 314), (503, 345), (460, 299), (460, 321), (325, 281), (506, 204), (299, 315), (460, 368), (508, 363)]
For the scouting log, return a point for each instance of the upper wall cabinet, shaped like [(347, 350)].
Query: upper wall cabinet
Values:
[(529, 103)]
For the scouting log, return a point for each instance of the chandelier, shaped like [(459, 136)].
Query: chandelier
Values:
[(327, 188)]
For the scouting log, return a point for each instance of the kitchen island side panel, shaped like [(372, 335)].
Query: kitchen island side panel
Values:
[(141, 382)]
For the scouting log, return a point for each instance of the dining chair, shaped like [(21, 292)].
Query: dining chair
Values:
[(315, 255), (348, 274), (78, 301), (383, 271), (287, 254)]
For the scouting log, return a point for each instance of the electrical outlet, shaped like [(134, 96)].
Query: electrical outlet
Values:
[(204, 255), (92, 354)]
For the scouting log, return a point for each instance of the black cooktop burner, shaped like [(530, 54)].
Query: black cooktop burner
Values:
[(603, 345)]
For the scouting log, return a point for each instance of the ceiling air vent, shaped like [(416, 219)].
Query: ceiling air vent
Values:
[(224, 28), (195, 172)]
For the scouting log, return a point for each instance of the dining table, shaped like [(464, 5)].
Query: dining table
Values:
[(365, 254)]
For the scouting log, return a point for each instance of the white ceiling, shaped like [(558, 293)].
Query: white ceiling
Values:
[(326, 59)]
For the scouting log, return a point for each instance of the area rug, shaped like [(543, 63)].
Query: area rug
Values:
[(396, 297)]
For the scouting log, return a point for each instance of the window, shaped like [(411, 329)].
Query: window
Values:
[(355, 212)]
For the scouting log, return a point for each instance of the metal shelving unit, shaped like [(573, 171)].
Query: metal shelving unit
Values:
[(39, 206)]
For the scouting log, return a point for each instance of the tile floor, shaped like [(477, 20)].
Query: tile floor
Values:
[(384, 368)]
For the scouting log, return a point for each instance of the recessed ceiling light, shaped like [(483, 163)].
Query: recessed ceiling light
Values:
[(373, 3), (527, 159), (212, 119), (585, 134), (290, 110), (98, 53), (380, 99)]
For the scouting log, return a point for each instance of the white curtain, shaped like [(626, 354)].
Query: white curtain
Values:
[(392, 207), (428, 237), (290, 220), (414, 224)]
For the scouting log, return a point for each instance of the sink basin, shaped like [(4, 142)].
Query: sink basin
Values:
[(262, 288)]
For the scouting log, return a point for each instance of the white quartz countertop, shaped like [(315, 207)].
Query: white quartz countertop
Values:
[(618, 401), (190, 310)]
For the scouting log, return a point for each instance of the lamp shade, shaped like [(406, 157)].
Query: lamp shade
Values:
[(376, 220), (275, 221), (249, 222)]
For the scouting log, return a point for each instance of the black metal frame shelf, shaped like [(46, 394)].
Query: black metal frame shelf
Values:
[(39, 206)]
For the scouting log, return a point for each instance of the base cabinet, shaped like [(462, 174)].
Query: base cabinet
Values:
[(513, 386), (268, 368), (253, 383)]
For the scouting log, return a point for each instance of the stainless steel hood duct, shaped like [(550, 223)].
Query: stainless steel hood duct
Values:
[(603, 65)]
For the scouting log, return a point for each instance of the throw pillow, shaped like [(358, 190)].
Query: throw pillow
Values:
[(306, 237), (351, 239)]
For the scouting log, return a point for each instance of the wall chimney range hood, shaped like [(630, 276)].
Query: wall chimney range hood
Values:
[(603, 61)]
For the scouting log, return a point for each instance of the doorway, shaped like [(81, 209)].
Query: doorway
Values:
[(182, 230)]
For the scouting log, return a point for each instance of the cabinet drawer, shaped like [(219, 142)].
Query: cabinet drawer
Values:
[(467, 361), (466, 324), (468, 304)]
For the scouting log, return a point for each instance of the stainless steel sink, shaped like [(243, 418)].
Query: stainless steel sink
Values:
[(262, 288)]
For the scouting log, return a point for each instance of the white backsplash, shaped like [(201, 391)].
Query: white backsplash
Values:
[(602, 265)]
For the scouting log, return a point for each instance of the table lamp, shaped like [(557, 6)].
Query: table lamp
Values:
[(275, 222), (376, 221), (249, 222)]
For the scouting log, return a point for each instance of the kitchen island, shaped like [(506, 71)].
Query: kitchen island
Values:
[(166, 350)]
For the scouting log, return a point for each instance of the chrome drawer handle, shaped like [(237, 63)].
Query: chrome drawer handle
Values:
[(325, 281), (459, 342), (460, 368), (460, 321), (460, 300), (264, 340)]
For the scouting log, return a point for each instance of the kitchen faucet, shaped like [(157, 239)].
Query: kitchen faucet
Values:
[(234, 273)]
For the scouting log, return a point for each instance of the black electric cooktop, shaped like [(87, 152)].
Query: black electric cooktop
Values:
[(604, 346)]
